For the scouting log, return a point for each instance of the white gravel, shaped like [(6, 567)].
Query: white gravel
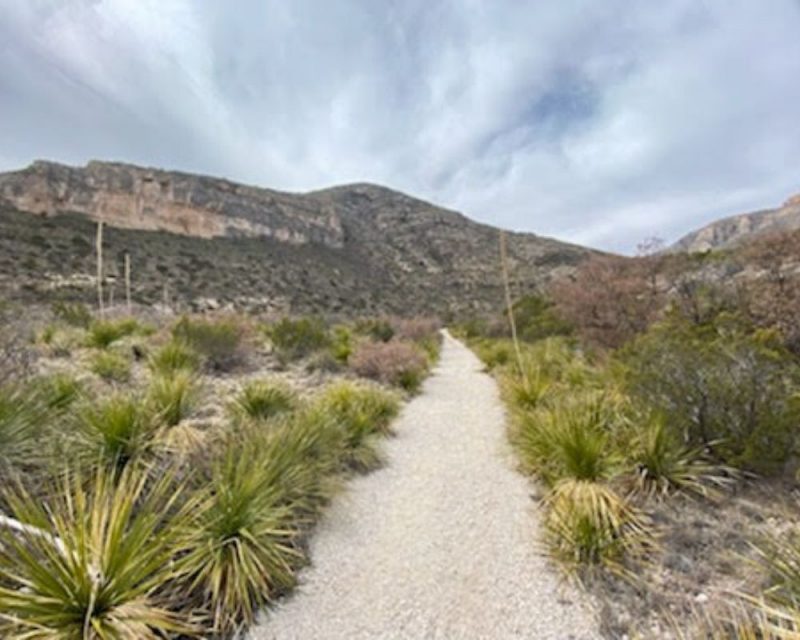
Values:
[(442, 542)]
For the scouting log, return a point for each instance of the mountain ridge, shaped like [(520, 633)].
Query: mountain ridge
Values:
[(381, 248)]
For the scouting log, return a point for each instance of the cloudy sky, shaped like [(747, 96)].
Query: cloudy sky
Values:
[(600, 122)]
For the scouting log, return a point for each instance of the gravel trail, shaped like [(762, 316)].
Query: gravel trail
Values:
[(442, 542)]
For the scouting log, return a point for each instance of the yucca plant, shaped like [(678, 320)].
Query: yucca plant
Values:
[(116, 431), (242, 549), (590, 525), (526, 392), (264, 399), (363, 413), (570, 439), (101, 334), (663, 464), (780, 557), (23, 417), (746, 618), (173, 357), (172, 397), (111, 366), (91, 563)]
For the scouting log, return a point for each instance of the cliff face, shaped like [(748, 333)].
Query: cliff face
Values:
[(360, 248), (738, 229), (149, 199)]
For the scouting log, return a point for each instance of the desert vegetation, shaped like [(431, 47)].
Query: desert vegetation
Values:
[(657, 403), (160, 475)]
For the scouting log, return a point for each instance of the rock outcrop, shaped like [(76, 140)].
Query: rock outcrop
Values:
[(736, 230), (133, 197)]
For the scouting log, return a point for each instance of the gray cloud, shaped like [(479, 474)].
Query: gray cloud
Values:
[(599, 123)]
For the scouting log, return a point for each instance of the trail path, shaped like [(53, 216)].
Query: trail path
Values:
[(439, 544)]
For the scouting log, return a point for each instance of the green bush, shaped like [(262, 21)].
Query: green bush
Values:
[(341, 346), (173, 357), (103, 333), (536, 318), (172, 397), (719, 386), (217, 341), (379, 329), (111, 366), (297, 338), (264, 399), (362, 413), (118, 430)]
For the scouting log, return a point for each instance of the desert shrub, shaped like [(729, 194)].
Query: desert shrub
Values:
[(494, 353), (664, 464), (264, 399), (75, 314), (93, 561), (362, 413), (172, 357), (589, 525), (379, 329), (297, 338), (780, 557), (526, 391), (571, 439), (536, 318), (610, 299), (241, 544), (111, 366), (116, 431), (723, 388), (417, 329), (103, 333), (217, 341), (341, 346), (59, 391), (396, 363), (23, 415), (173, 397)]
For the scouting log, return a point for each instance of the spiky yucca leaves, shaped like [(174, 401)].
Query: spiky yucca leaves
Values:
[(745, 619), (663, 464), (101, 334), (241, 542), (173, 397), (173, 357), (117, 431), (263, 399), (526, 391), (571, 439), (590, 525), (781, 559), (111, 366), (363, 413), (91, 563)]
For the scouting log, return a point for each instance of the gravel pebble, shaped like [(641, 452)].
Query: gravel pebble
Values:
[(442, 542)]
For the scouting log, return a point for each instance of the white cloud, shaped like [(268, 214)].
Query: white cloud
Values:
[(594, 122)]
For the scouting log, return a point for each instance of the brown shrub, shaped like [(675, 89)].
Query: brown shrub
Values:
[(610, 299), (417, 329), (396, 362)]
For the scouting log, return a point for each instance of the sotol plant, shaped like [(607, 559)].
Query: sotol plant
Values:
[(93, 562)]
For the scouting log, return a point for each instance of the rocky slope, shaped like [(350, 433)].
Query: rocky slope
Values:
[(738, 229), (201, 241)]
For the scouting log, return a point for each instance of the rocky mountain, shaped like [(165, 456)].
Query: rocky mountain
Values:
[(736, 230), (206, 242)]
